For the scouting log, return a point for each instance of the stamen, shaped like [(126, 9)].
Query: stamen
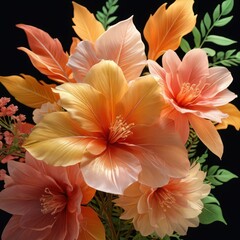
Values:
[(188, 93), (52, 203), (119, 130), (165, 198)]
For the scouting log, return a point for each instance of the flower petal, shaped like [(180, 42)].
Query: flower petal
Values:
[(115, 162), (85, 105), (208, 134), (194, 67), (161, 153), (91, 226), (233, 118), (13, 229), (58, 140), (122, 43), (143, 102)]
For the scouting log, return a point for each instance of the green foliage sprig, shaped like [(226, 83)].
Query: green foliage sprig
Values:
[(108, 9), (203, 34)]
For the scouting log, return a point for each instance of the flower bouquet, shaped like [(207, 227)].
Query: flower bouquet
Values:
[(122, 126)]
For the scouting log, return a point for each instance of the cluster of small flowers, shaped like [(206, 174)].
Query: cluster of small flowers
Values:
[(13, 131)]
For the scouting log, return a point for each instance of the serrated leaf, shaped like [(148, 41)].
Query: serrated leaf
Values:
[(216, 13), (185, 45), (197, 37), (211, 212), (220, 40), (227, 7), (222, 22), (207, 20)]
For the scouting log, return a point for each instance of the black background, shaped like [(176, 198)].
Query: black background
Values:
[(55, 17)]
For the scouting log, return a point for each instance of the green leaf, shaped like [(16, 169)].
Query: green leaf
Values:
[(207, 20), (225, 175), (210, 52), (111, 19), (227, 7), (219, 40), (211, 212), (222, 22), (202, 28), (185, 45), (216, 13), (113, 9), (197, 37)]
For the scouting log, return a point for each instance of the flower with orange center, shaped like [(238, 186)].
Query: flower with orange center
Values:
[(111, 128), (48, 202), (167, 209), (194, 93)]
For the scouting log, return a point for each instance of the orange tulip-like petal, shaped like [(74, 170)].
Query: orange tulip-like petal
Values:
[(92, 227), (47, 54), (165, 28), (233, 118), (86, 25), (27, 90)]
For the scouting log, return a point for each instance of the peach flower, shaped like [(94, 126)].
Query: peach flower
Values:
[(194, 93), (111, 128), (46, 203), (121, 43), (167, 209)]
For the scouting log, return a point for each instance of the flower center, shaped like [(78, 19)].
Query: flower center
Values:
[(119, 130), (165, 198), (52, 203), (188, 93)]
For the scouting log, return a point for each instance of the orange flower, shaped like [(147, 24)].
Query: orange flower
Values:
[(111, 128), (46, 203), (167, 209), (194, 93)]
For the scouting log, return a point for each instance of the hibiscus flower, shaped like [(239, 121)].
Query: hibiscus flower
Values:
[(46, 203), (167, 209), (194, 93), (111, 128)]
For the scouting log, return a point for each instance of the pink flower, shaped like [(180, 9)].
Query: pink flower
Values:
[(194, 92), (168, 209), (46, 203)]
